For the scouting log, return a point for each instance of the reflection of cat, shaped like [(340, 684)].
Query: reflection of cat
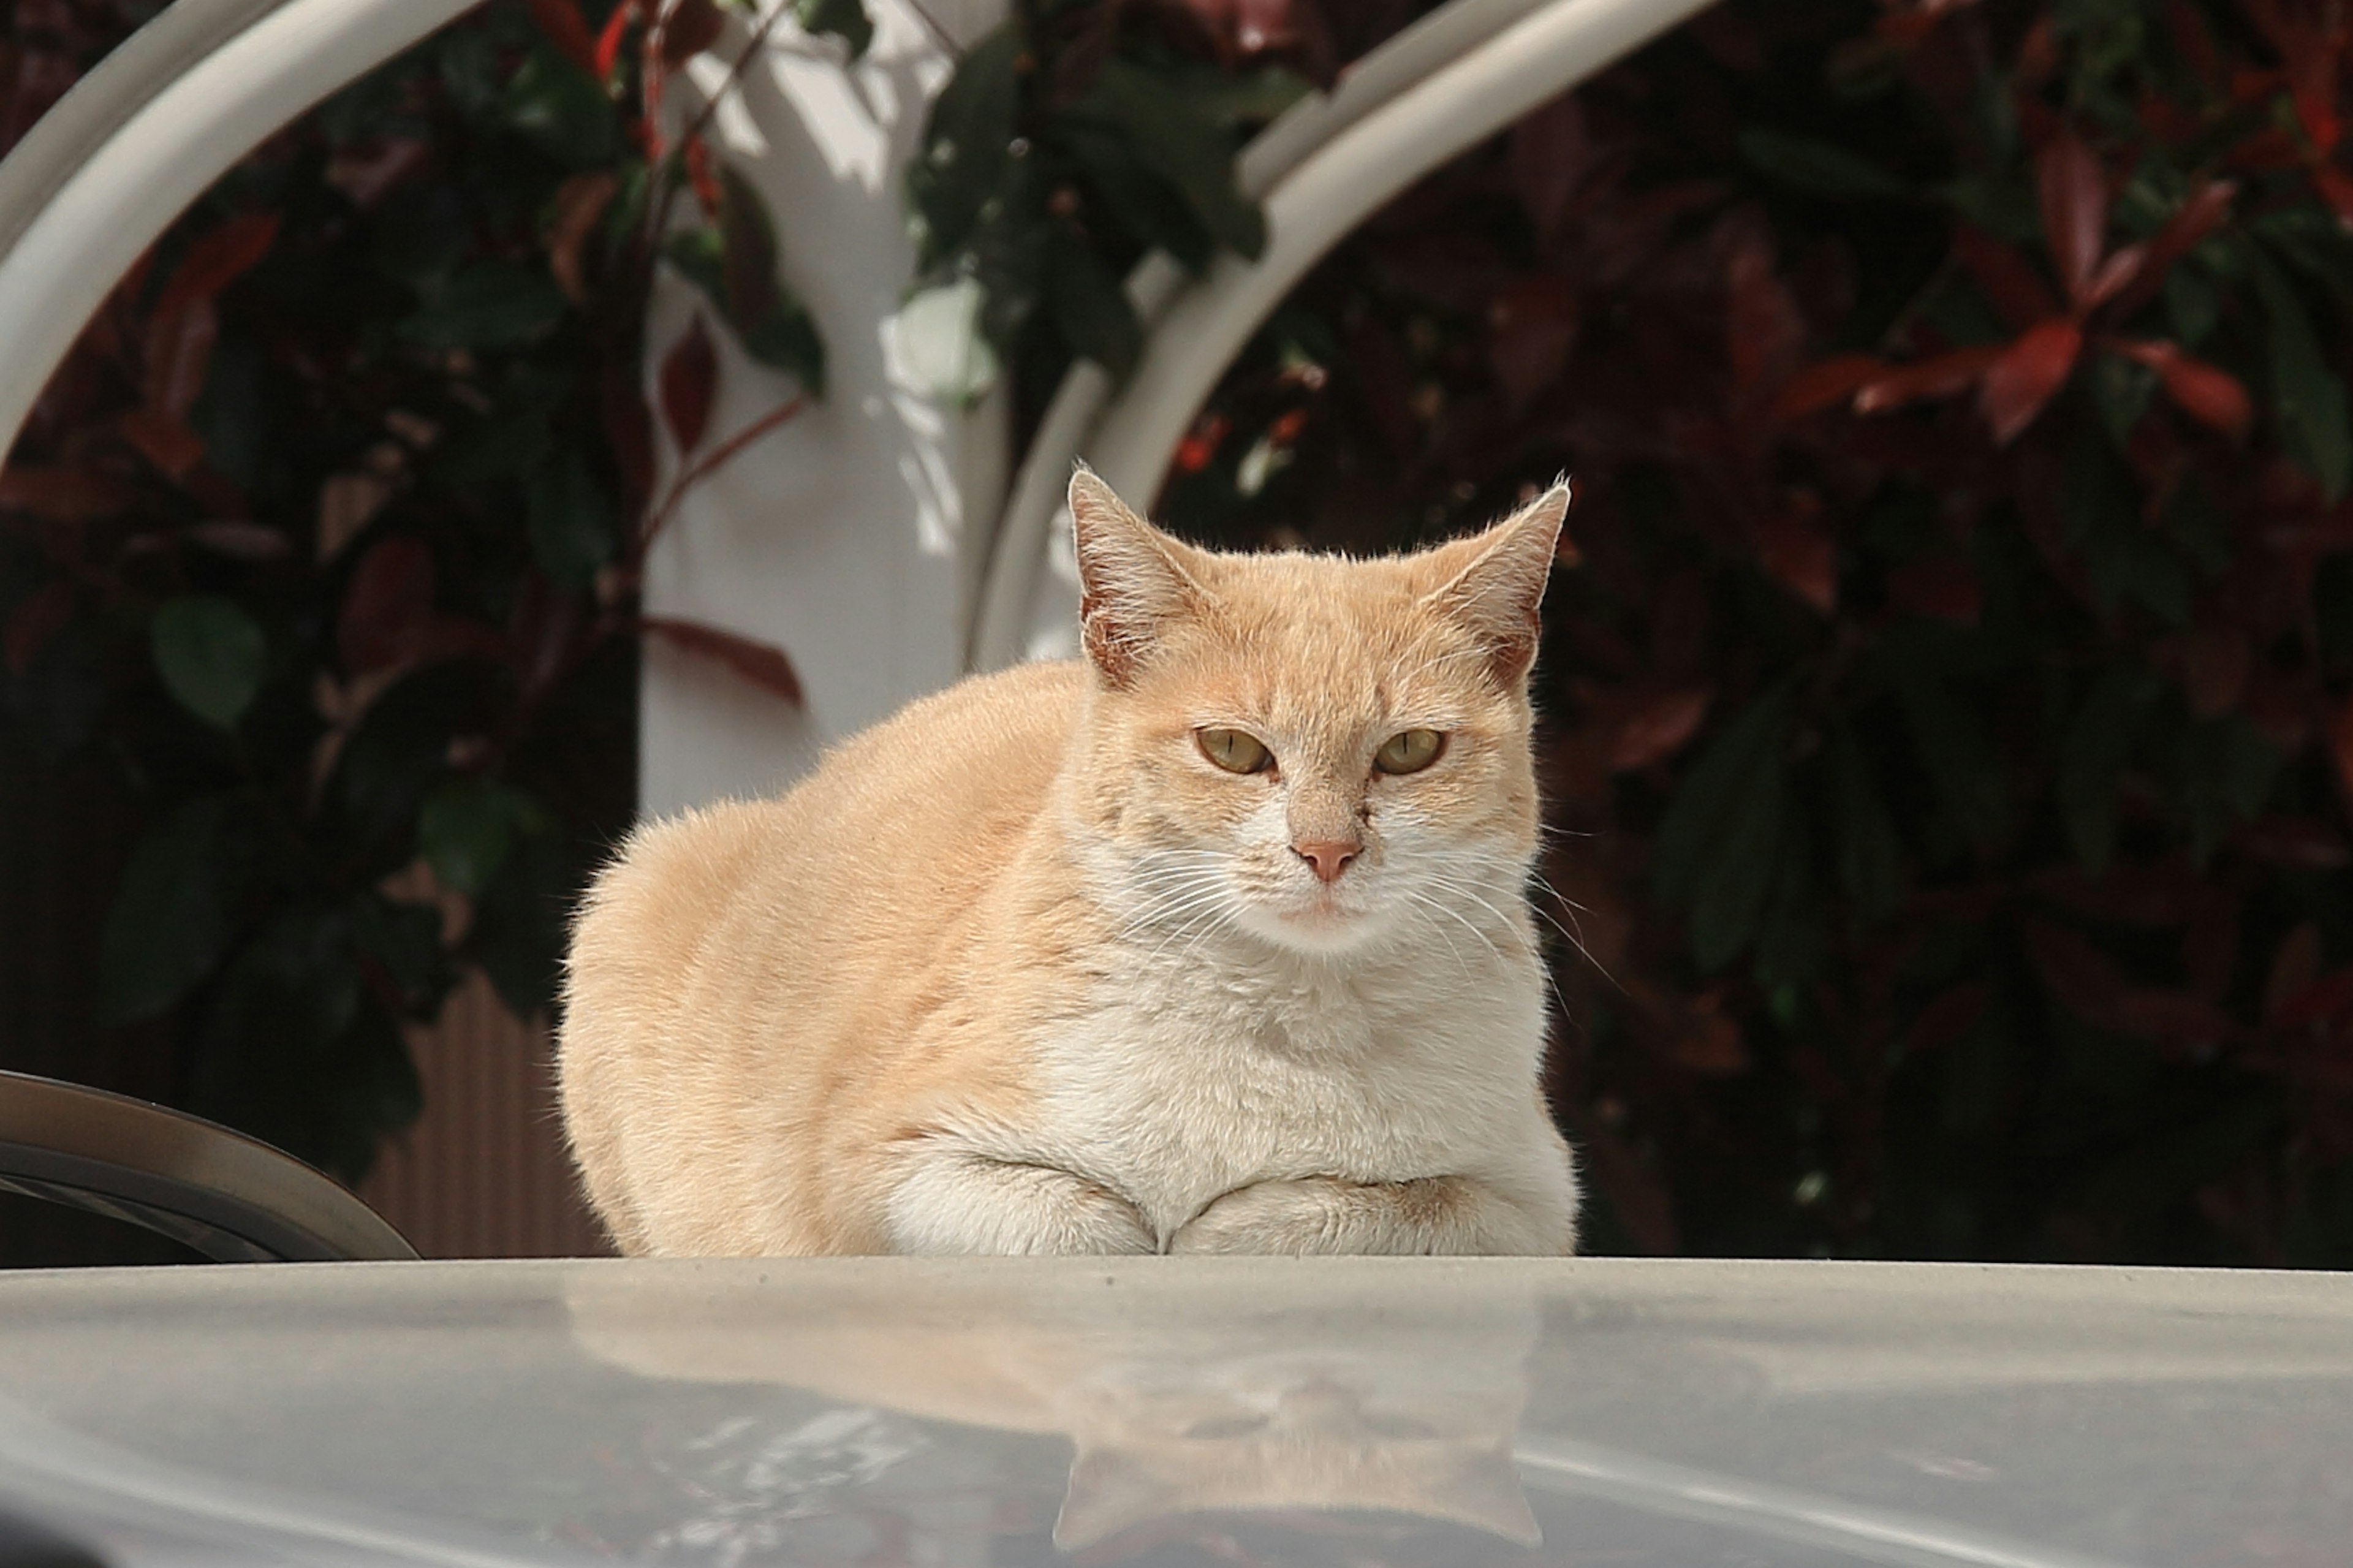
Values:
[(1174, 1403)]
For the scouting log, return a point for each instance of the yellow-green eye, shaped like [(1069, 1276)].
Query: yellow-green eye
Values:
[(1235, 752), (1409, 751)]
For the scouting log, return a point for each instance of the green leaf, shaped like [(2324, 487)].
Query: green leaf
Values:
[(1089, 305), (2121, 390), (563, 111), (570, 519), (2226, 767), (2306, 396), (296, 1051), (1870, 857), (513, 937), (465, 829), (1184, 145), (1739, 871), (1789, 944), (1821, 167), (175, 909), (1708, 799), (404, 938), (845, 19), (2123, 558), (393, 760), (2091, 758), (210, 654), (1152, 209), (489, 305), (1959, 757), (735, 265), (967, 143)]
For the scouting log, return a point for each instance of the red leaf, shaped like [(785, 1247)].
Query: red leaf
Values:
[(1796, 548), (1531, 329), (1944, 376), (2340, 745), (218, 260), (2296, 843), (365, 172), (62, 494), (763, 663), (579, 202), (39, 617), (2010, 285), (2210, 395), (2174, 1017), (2214, 666), (689, 27), (240, 540), (2021, 381), (2074, 194), (1764, 330), (689, 375), (2193, 43), (179, 355), (2323, 998), (388, 604), (2076, 973), (2336, 190), (562, 22), (609, 42), (163, 439), (1659, 728), (1199, 448), (1948, 1017), (2294, 969), (1818, 386), (1552, 154), (2115, 274), (1944, 589)]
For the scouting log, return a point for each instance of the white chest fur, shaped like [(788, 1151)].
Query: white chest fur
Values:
[(1187, 1080)]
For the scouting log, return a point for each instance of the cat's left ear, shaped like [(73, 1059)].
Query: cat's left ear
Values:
[(1132, 581), (1493, 582)]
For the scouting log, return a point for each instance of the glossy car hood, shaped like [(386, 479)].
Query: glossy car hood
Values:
[(1177, 1412)]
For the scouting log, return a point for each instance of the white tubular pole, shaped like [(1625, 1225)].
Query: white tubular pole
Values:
[(1329, 194), (184, 136), (1019, 543)]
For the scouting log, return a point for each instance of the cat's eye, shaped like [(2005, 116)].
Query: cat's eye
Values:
[(1235, 752), (1409, 751)]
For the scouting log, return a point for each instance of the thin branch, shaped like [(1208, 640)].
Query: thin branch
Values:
[(703, 468)]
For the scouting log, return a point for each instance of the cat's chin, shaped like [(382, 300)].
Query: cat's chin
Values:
[(1316, 930)]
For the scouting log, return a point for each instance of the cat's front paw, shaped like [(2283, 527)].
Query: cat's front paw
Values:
[(1290, 1216)]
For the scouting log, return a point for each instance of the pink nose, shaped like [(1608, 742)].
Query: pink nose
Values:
[(1329, 856)]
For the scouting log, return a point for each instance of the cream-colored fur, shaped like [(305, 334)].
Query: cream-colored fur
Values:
[(1022, 970)]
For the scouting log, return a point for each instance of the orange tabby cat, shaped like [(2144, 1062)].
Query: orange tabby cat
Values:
[(1217, 941)]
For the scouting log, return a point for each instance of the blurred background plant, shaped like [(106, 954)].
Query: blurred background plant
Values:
[(1948, 737), (321, 551)]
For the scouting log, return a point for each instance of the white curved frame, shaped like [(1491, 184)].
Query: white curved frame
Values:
[(1455, 78), (110, 167)]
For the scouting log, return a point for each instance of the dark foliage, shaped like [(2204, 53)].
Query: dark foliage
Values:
[(320, 550), (1949, 726)]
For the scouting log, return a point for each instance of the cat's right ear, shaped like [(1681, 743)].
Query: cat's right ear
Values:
[(1132, 584)]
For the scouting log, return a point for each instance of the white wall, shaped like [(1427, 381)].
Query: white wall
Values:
[(850, 537)]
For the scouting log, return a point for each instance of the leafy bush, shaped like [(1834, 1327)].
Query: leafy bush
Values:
[(321, 547), (1951, 740)]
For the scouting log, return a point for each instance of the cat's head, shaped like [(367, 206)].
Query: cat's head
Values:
[(1323, 752)]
